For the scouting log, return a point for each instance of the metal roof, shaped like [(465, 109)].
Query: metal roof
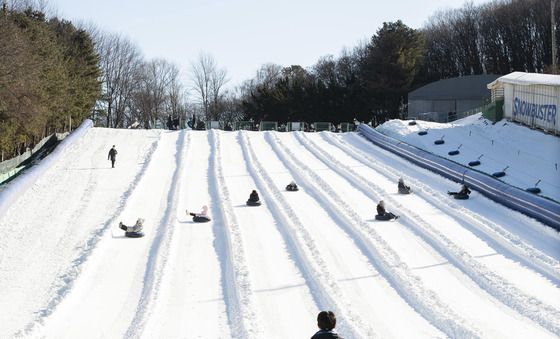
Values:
[(465, 87), (527, 79)]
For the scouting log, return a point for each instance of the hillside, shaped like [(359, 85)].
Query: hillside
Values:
[(444, 269)]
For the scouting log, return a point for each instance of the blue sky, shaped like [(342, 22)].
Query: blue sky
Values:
[(242, 35)]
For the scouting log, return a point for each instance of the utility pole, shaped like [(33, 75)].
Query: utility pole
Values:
[(553, 33)]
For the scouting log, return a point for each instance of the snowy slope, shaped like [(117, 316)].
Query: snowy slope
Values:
[(529, 155), (443, 269)]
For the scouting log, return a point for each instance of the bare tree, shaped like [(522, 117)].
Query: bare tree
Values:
[(152, 98), (120, 61), (208, 81)]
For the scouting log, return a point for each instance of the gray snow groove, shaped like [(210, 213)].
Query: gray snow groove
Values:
[(545, 315), (159, 250), (66, 280), (494, 233), (237, 290), (323, 285), (379, 253)]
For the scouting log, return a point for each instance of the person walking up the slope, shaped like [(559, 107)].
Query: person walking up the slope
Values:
[(326, 321), (112, 156)]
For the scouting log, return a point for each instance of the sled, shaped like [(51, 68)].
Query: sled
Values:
[(474, 163), (458, 196), (292, 188), (405, 191), (134, 234), (534, 190), (199, 218), (253, 203), (385, 217)]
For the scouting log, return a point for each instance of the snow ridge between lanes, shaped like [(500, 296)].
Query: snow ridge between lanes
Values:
[(67, 279), (237, 285), (546, 315), (159, 250), (324, 287), (380, 254), (496, 234)]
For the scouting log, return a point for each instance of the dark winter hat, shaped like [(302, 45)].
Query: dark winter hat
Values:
[(326, 320)]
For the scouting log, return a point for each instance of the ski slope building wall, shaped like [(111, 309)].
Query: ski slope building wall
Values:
[(445, 100), (530, 98)]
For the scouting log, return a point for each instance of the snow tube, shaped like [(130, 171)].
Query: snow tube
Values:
[(134, 234), (292, 188), (411, 123), (404, 191), (499, 174), (439, 142), (253, 203), (198, 218), (474, 163), (384, 217), (455, 152), (535, 206), (534, 190), (422, 132), (460, 196)]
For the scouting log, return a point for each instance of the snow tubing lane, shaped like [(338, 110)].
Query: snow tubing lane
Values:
[(542, 209)]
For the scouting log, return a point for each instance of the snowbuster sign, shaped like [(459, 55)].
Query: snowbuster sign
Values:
[(523, 110), (530, 98)]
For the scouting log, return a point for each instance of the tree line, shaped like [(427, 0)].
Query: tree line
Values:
[(371, 81), (53, 73), (48, 77)]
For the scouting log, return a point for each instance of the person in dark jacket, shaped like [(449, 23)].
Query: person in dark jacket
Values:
[(292, 186), (403, 189), (254, 199), (254, 196), (326, 321), (465, 191), (381, 212), (112, 156)]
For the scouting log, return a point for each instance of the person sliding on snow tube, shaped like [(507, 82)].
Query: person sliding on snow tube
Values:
[(133, 231), (202, 216), (254, 199), (292, 187), (382, 214), (403, 189), (463, 194)]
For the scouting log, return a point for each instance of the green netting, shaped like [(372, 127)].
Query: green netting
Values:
[(295, 126), (214, 125), (268, 126), (346, 127), (245, 125), (322, 126), (494, 111)]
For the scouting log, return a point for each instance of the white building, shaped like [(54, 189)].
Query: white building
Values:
[(530, 98)]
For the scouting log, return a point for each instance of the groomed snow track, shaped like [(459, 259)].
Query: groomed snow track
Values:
[(445, 268)]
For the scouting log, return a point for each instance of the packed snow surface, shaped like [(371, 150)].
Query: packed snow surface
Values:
[(444, 269), (530, 158)]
